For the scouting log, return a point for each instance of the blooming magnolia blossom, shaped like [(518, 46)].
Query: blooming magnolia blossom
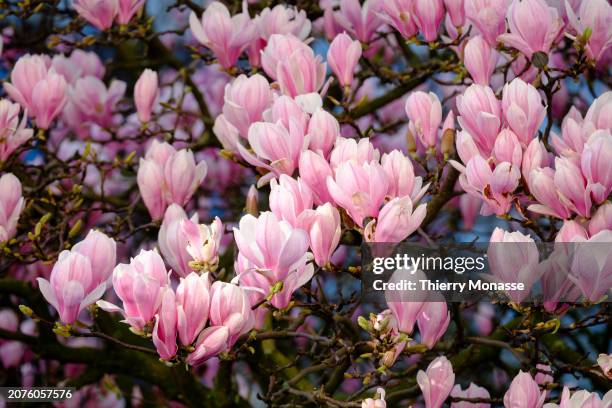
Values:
[(11, 205)]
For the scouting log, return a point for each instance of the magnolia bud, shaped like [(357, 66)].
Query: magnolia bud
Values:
[(412, 147), (251, 202), (447, 144)]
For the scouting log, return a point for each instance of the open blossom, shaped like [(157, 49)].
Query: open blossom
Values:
[(94, 101), (167, 176), (550, 201), (278, 146), (436, 383), (488, 16), (79, 64), (473, 391), (361, 21), (343, 56), (230, 307), (314, 170), (524, 392), (605, 363), (11, 205), (203, 242), (100, 13), (13, 132), (400, 15), (276, 252), (400, 174), (595, 16), (38, 89), (227, 36), (581, 399), (425, 114), (300, 72), (359, 189), (146, 93), (533, 26), (572, 186), (140, 285), (351, 150), (246, 98), (79, 277), (323, 131), (290, 199), (596, 164), (211, 341), (601, 220)]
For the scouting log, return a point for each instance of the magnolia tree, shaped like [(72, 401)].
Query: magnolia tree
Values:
[(186, 189)]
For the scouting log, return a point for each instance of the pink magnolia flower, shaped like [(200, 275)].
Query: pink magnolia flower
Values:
[(343, 56), (72, 286), (11, 205), (323, 131), (473, 391), (94, 101), (523, 109), (127, 9), (571, 231), (101, 252), (280, 147), (79, 64), (173, 241), (227, 36), (359, 189), (513, 257), (400, 15), (425, 114), (290, 199), (279, 47), (287, 110), (211, 341), (167, 176), (314, 171), (300, 72), (203, 242), (351, 150), (400, 173), (533, 26), (600, 112), (146, 93), (396, 221), (534, 157), (377, 402), (469, 206), (283, 19), (100, 13), (480, 60), (276, 251), (436, 383), (230, 307), (480, 115), (13, 132), (361, 21), (246, 98), (11, 352), (591, 268), (596, 16), (488, 16), (405, 313), (192, 306), (140, 286), (550, 201), (456, 11), (524, 392), (494, 186), (596, 164), (164, 330), (38, 89), (433, 322), (324, 232), (428, 15)]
